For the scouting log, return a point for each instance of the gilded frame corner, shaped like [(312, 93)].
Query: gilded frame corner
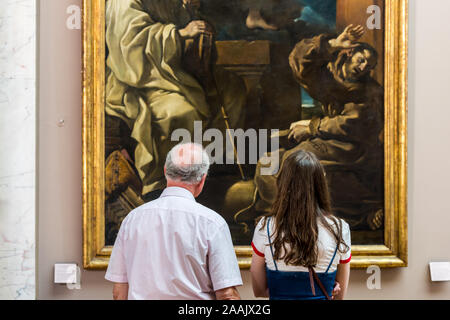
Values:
[(394, 253)]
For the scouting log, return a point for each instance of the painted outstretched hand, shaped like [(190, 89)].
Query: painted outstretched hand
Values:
[(349, 37)]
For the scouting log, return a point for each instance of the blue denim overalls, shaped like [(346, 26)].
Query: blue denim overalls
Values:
[(297, 285)]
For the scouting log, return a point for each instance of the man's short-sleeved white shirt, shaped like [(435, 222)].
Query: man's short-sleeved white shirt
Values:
[(174, 248), (326, 247)]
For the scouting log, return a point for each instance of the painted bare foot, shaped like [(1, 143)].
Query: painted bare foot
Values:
[(375, 220), (255, 20)]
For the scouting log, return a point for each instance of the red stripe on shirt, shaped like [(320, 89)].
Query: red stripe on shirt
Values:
[(346, 261), (256, 251)]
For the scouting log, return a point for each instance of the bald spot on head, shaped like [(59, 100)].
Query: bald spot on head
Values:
[(185, 155)]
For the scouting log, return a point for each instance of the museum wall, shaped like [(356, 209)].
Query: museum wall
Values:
[(59, 159)]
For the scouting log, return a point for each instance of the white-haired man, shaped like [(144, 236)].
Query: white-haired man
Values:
[(173, 248)]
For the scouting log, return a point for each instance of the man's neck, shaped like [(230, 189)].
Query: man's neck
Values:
[(190, 188)]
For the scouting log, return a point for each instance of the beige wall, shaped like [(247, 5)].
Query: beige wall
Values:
[(59, 160)]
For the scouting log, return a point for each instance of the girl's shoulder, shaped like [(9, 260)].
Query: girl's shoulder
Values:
[(264, 223)]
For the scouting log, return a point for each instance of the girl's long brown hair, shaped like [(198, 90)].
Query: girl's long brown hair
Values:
[(302, 201)]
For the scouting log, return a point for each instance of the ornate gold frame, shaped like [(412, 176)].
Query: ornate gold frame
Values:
[(395, 251)]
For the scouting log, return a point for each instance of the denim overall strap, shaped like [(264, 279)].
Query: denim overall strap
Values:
[(332, 259), (270, 243)]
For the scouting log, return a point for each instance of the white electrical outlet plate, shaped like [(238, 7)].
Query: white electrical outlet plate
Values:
[(440, 271)]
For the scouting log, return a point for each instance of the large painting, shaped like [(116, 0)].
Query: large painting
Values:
[(253, 81)]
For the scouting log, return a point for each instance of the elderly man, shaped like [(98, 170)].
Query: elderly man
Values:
[(174, 248)]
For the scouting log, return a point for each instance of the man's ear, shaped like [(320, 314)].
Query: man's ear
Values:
[(165, 170), (200, 186), (202, 182)]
